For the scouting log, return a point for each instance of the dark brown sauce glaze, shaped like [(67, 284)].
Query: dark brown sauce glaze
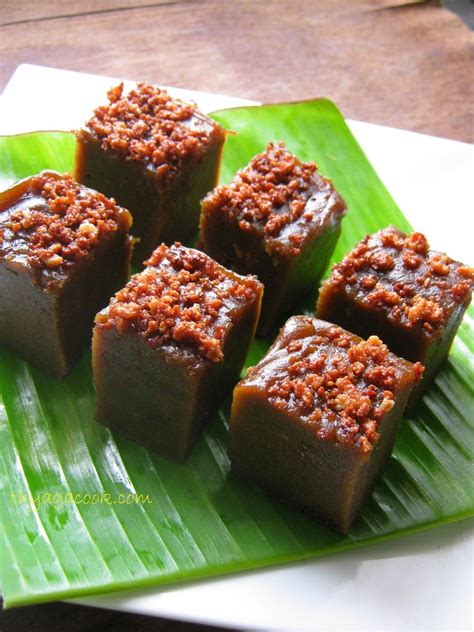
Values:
[(334, 382), (148, 126), (182, 297), (397, 274), (50, 224), (279, 198)]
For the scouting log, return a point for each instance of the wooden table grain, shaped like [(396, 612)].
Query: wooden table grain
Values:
[(393, 62), (406, 64)]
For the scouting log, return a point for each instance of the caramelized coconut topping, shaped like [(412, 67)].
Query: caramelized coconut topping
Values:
[(149, 125), (72, 223), (270, 194), (418, 287), (338, 384), (182, 297)]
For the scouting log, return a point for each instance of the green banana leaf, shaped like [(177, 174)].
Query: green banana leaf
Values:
[(197, 520)]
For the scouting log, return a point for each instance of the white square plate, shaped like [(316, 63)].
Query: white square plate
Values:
[(420, 582)]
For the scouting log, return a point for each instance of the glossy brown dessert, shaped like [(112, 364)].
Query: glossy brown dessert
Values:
[(170, 346), (279, 219), (64, 250), (157, 156), (315, 422), (392, 285)]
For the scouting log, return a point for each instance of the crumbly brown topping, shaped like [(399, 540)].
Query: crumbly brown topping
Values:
[(269, 194), (148, 125), (342, 387), (400, 274), (74, 222), (182, 296)]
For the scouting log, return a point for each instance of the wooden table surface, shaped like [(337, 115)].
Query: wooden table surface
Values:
[(394, 62), (401, 63)]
